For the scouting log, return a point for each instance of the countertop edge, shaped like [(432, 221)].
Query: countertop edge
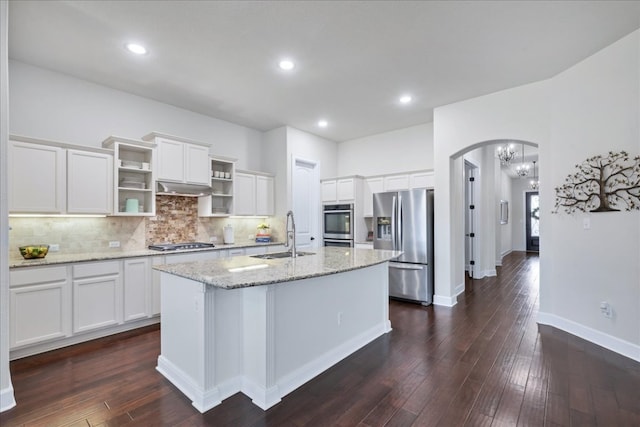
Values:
[(15, 262), (219, 278)]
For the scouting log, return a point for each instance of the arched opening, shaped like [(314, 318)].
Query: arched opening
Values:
[(488, 207)]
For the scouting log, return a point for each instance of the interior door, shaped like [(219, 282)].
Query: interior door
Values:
[(532, 213), (305, 189), (470, 217)]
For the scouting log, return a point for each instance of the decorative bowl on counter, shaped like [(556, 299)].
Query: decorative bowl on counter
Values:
[(34, 251)]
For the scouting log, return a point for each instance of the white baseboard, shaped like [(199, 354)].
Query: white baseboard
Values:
[(459, 289), (445, 301), (607, 341), (7, 399), (203, 400)]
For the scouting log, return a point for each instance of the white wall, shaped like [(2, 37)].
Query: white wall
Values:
[(590, 109), (594, 109), (54, 106), (7, 399), (274, 159), (400, 150), (312, 147)]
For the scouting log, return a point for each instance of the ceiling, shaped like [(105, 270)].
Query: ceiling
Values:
[(353, 59)]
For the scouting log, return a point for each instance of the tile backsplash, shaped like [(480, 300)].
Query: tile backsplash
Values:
[(176, 220)]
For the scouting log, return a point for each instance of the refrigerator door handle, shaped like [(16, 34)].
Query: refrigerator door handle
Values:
[(400, 245), (394, 223), (403, 266)]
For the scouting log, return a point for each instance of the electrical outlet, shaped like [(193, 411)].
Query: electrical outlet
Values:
[(339, 318), (251, 237), (114, 244), (213, 239), (586, 223), (54, 247), (605, 309)]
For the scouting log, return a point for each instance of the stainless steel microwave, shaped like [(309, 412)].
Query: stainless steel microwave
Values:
[(338, 221)]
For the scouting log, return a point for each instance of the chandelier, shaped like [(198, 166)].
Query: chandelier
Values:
[(523, 169), (506, 154), (535, 183)]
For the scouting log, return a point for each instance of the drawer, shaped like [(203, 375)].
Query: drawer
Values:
[(31, 276), (92, 269)]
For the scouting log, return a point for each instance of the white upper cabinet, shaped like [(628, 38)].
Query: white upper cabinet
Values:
[(396, 182), (265, 195), (341, 190), (89, 182), (53, 178), (421, 180), (254, 194), (180, 159), (371, 186), (171, 161), (37, 179), (245, 194), (197, 164)]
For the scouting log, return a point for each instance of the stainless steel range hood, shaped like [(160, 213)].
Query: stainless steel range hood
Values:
[(166, 188)]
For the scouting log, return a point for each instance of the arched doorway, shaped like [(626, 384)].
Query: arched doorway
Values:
[(492, 238)]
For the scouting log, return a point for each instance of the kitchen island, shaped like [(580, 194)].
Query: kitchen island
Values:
[(266, 326)]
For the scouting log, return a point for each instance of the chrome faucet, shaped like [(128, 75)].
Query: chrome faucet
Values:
[(291, 234)]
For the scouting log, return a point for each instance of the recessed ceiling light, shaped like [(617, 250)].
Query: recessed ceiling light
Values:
[(405, 99), (323, 123), (286, 64), (138, 49)]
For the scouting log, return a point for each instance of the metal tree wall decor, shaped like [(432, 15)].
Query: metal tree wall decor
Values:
[(602, 184)]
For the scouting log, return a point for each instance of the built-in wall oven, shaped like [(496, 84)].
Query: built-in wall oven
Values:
[(338, 225)]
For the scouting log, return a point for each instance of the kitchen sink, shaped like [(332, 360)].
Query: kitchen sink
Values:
[(277, 255)]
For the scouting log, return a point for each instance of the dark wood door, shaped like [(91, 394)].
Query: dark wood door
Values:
[(532, 214)]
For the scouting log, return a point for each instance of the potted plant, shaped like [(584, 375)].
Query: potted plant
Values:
[(263, 229)]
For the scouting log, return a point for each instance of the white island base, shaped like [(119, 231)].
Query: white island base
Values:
[(268, 340)]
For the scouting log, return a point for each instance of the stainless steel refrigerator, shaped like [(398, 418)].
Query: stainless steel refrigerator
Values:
[(403, 221)]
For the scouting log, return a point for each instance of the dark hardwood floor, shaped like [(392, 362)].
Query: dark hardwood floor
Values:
[(483, 362)]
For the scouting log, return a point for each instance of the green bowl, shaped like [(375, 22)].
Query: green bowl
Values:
[(34, 251)]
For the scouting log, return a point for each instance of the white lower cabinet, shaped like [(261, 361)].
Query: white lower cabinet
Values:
[(97, 295), (137, 292), (40, 305)]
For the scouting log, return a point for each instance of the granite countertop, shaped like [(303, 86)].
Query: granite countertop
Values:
[(53, 258), (247, 271)]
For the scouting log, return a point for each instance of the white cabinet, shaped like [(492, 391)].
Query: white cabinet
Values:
[(89, 182), (423, 179), (396, 182), (171, 161), (134, 176), (245, 194), (136, 285), (37, 178), (254, 194), (371, 186), (265, 195), (197, 164), (97, 295), (52, 178), (40, 305), (180, 159), (220, 202), (341, 190)]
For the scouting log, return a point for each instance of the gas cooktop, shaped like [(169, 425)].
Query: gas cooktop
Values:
[(180, 246)]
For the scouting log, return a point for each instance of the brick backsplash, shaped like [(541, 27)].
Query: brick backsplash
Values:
[(176, 220)]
